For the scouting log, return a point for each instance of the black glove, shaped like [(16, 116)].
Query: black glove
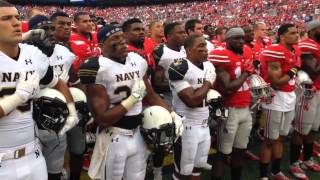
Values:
[(40, 39)]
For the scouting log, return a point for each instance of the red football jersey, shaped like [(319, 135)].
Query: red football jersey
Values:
[(259, 46), (309, 46), (233, 64), (218, 44), (83, 48), (288, 60)]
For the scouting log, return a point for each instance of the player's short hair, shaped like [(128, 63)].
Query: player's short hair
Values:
[(58, 14), (188, 43), (126, 25), (284, 28), (153, 23), (220, 29), (169, 27), (191, 24), (5, 4), (29, 13), (257, 24), (76, 17)]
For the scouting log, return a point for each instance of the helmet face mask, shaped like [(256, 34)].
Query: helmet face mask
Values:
[(158, 128), (50, 113), (217, 111), (83, 112), (308, 90), (260, 90), (162, 137)]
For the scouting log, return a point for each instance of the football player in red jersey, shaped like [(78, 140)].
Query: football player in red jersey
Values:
[(232, 72), (134, 33), (261, 40), (307, 120), (219, 42), (83, 43), (279, 65), (156, 31)]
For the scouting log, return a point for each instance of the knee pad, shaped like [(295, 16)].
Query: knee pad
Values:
[(118, 166)]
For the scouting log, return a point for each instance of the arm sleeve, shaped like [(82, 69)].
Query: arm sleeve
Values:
[(89, 72), (219, 58), (179, 85)]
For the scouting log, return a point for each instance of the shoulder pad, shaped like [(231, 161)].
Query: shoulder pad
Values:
[(158, 52), (137, 53), (88, 70), (178, 69), (45, 48), (66, 46)]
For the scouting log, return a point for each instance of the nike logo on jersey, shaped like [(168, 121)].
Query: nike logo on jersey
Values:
[(14, 76), (127, 76)]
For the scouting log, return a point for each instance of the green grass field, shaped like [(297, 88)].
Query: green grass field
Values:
[(251, 169)]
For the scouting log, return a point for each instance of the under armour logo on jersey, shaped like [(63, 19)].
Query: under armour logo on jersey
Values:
[(37, 153), (28, 61), (133, 64), (59, 57)]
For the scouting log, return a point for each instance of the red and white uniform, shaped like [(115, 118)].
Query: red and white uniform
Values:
[(233, 133), (218, 44), (84, 48), (309, 46), (307, 110), (233, 64), (284, 99), (259, 46)]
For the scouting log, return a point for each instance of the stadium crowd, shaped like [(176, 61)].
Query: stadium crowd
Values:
[(222, 13)]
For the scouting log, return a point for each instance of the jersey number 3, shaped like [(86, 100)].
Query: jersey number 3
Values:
[(123, 91)]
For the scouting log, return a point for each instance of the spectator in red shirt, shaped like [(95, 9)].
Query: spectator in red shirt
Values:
[(83, 43)]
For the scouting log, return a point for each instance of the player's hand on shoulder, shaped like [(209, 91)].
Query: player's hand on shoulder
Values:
[(40, 39), (27, 86)]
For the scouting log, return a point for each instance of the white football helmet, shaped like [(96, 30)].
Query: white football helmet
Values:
[(216, 108), (305, 83), (50, 110), (259, 89), (80, 102), (158, 127)]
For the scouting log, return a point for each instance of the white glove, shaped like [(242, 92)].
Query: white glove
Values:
[(303, 78), (27, 89), (138, 92), (40, 33), (139, 89), (210, 76), (178, 123), (72, 119)]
